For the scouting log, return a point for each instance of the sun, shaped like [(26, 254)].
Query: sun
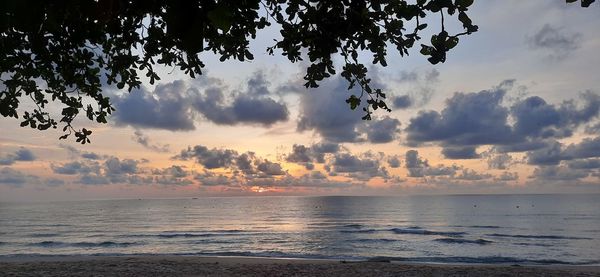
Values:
[(258, 189)]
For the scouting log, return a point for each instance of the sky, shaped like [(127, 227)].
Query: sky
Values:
[(514, 109)]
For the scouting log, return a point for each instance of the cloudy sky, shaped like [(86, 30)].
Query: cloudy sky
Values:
[(515, 109)]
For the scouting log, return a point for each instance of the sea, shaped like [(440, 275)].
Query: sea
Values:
[(472, 229)]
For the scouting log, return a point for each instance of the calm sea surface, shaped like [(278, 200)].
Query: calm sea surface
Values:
[(538, 229)]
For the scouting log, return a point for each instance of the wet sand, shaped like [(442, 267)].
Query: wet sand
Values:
[(164, 265)]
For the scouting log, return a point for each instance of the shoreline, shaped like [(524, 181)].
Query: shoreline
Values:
[(180, 265)]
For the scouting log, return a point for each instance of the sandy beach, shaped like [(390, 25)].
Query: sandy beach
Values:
[(244, 266)]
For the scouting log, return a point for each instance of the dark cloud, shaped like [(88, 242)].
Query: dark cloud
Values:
[(77, 153), (91, 156), (144, 140), (402, 102), (537, 119), (300, 154), (584, 164), (499, 161), (245, 162), (507, 176), (521, 146), (76, 168), (166, 108), (382, 130), (111, 170), (209, 179), (467, 152), (245, 165), (270, 168), (262, 111), (54, 182), (418, 167), (94, 179), (393, 161), (558, 173), (407, 76), (175, 106), (566, 163), (325, 111), (115, 166), (14, 178), (362, 167), (319, 150), (24, 154), (587, 148), (21, 155), (557, 42), (469, 119), (254, 106), (209, 158), (554, 153), (308, 155), (420, 86), (472, 175)]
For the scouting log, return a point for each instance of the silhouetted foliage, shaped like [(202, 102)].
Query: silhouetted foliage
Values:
[(59, 50)]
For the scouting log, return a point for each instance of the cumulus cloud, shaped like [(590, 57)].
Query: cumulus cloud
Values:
[(74, 152), (209, 158), (556, 152), (244, 165), (174, 175), (325, 111), (76, 167), (270, 168), (115, 166), (472, 175), (584, 164), (209, 178), (176, 106), (558, 173), (571, 162), (144, 140), (537, 119), (362, 167), (420, 86), (382, 130), (402, 102), (470, 120), (556, 42), (418, 167), (499, 161), (393, 161), (21, 155), (253, 106), (14, 178), (167, 107), (465, 152), (309, 155), (507, 176)]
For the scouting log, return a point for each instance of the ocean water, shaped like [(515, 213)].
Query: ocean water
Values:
[(522, 229)]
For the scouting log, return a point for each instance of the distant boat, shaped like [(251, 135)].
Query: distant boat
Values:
[(194, 197)]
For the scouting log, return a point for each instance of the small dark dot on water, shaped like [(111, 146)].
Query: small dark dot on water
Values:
[(517, 206)]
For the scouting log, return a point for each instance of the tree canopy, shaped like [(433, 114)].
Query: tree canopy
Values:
[(64, 51)]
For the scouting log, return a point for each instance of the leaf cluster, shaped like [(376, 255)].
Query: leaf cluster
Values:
[(66, 51)]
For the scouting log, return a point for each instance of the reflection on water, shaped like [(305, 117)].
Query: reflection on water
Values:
[(476, 228)]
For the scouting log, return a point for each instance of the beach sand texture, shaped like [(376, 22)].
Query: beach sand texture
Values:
[(234, 266)]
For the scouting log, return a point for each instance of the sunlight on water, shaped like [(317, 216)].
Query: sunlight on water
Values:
[(546, 229)]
